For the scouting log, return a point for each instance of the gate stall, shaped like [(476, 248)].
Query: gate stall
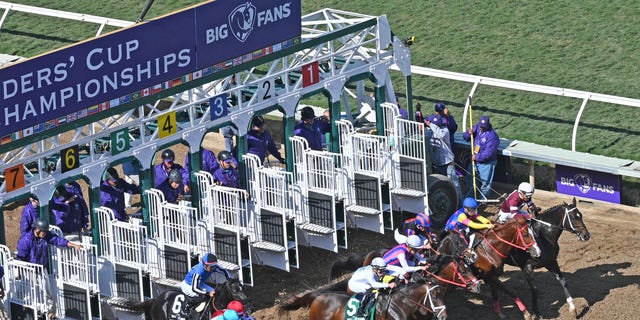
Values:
[(368, 159), (272, 230), (320, 219), (409, 172), (226, 213)]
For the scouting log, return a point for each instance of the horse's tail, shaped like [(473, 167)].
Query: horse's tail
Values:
[(141, 306), (302, 300), (343, 265)]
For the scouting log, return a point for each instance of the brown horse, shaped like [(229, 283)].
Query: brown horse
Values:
[(413, 301), (493, 249)]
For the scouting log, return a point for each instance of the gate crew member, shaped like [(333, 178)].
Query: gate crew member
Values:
[(368, 278), (167, 165), (312, 129), (112, 192), (259, 141), (172, 187), (227, 174), (29, 215), (485, 148)]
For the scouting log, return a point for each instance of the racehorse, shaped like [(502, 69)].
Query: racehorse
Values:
[(548, 227), (413, 301), (169, 303), (493, 249)]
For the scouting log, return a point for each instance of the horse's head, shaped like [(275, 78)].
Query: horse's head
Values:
[(231, 290), (572, 221), (431, 301), (456, 272), (469, 256)]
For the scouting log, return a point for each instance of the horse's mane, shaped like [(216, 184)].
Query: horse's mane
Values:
[(554, 208)]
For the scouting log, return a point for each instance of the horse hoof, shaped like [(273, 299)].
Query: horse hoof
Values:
[(527, 315)]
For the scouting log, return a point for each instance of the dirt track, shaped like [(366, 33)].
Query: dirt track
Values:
[(603, 274)]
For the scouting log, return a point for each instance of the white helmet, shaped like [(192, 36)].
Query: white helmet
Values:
[(378, 263), (526, 189), (414, 241)]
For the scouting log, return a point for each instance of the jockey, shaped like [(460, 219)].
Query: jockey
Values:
[(467, 218), (515, 201), (194, 286), (420, 225), (406, 255), (368, 278)]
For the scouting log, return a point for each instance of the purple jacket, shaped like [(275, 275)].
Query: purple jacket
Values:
[(171, 194), (312, 134), (29, 216), (33, 249), (485, 144), (161, 173), (113, 197), (209, 162), (69, 217), (259, 143), (228, 178)]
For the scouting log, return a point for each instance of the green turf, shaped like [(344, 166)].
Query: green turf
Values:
[(586, 45)]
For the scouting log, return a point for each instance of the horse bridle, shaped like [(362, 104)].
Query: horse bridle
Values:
[(565, 219), (457, 274), (435, 310)]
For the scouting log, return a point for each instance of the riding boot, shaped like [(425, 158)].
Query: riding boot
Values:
[(188, 304), (365, 304)]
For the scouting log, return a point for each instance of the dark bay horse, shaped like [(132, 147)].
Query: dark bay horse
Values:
[(547, 229), (169, 303), (413, 301), (495, 246)]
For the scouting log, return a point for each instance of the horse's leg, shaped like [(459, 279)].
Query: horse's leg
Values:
[(494, 296), (528, 274), (495, 284), (555, 269)]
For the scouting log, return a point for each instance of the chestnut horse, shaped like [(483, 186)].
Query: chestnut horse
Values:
[(413, 301), (548, 227), (495, 246)]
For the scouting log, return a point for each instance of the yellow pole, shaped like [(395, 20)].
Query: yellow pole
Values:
[(473, 162)]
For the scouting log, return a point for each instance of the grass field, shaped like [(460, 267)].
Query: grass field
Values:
[(586, 45)]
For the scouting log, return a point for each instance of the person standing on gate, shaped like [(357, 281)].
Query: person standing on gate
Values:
[(443, 111), (29, 214), (75, 189), (259, 141), (162, 170), (194, 286), (172, 187), (209, 161), (33, 247), (312, 129), (112, 192), (227, 174), (68, 213), (515, 202), (442, 152), (485, 157)]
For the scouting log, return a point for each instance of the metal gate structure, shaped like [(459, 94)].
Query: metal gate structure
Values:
[(321, 217)]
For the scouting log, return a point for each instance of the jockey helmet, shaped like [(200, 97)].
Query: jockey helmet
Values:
[(470, 203), (423, 220), (175, 176), (224, 155), (236, 306), (526, 189), (210, 259), (168, 155), (378, 264), (41, 224), (257, 121), (413, 241), (230, 315)]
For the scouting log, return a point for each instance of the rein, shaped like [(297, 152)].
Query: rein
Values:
[(456, 273), (523, 247), (565, 219)]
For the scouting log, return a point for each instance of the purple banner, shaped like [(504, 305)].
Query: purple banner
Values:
[(589, 184), (142, 60)]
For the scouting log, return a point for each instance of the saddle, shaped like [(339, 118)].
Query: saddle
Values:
[(353, 304)]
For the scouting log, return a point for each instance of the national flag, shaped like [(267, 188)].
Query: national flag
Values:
[(114, 102), (296, 41), (16, 135), (61, 121), (237, 61), (27, 132), (207, 71), (197, 74), (145, 92), (218, 67), (124, 99), (228, 64), (92, 110), (6, 139), (258, 53), (166, 85), (176, 82), (287, 44), (38, 128), (268, 50), (50, 124), (157, 88), (134, 96), (103, 106), (247, 57), (187, 77), (81, 114), (277, 47), (72, 117)]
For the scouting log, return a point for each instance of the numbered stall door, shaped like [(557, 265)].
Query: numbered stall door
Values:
[(130, 260), (409, 187), (178, 224), (77, 273)]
